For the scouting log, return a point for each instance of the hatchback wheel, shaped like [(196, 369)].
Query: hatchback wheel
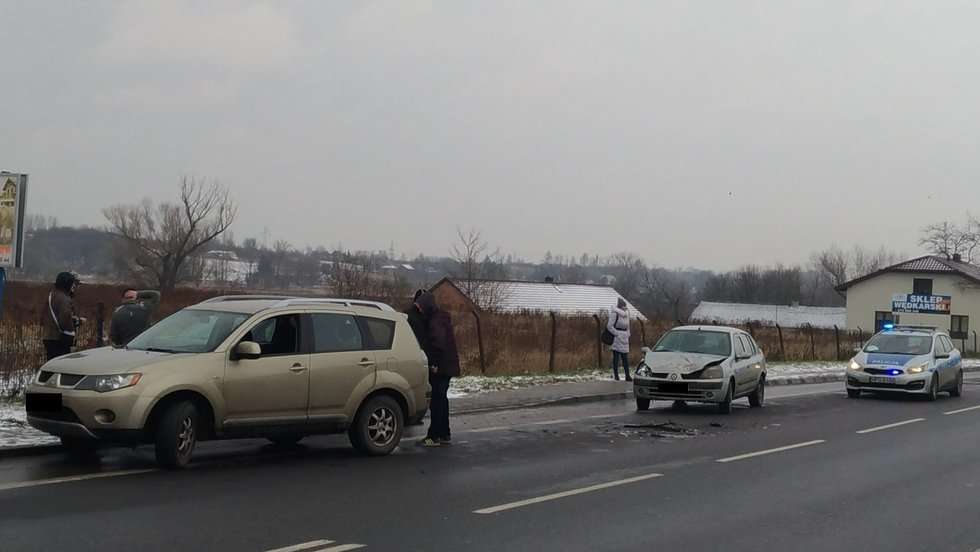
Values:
[(957, 390), (725, 407), (933, 389), (176, 435), (378, 426), (758, 397)]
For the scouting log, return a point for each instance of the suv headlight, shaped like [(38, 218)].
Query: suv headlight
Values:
[(644, 371), (715, 372), (919, 369), (104, 384), (854, 365)]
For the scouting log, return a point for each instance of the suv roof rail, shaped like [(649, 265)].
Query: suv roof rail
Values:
[(290, 301), (226, 298)]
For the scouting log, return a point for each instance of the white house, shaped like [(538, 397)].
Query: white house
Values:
[(928, 291)]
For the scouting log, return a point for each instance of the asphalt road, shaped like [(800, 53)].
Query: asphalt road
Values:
[(812, 470)]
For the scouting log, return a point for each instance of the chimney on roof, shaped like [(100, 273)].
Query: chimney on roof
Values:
[(957, 257), (549, 279)]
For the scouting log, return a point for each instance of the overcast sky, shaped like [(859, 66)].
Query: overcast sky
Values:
[(694, 133)]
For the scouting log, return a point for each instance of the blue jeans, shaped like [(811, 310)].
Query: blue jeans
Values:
[(625, 359)]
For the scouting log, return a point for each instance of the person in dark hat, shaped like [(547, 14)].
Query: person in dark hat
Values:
[(439, 343), (416, 321), (132, 317), (59, 320)]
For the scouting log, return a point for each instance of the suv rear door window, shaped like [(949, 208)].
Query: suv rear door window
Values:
[(277, 336), (379, 334), (333, 333)]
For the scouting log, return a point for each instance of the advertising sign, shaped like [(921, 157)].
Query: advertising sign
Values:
[(921, 304), (13, 197)]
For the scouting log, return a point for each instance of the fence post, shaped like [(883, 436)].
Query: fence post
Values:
[(598, 341), (100, 324), (643, 333), (554, 335), (813, 344), (837, 340), (860, 336), (479, 341), (749, 326), (782, 345), (975, 350)]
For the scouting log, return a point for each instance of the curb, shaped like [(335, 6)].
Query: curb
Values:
[(29, 450)]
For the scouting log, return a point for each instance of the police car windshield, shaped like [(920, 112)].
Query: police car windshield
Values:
[(900, 344), (189, 331), (695, 341)]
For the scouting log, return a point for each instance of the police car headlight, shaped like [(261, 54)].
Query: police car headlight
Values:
[(644, 371), (919, 369), (854, 365)]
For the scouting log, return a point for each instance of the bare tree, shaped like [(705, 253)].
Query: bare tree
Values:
[(280, 252), (835, 267), (162, 238), (832, 267), (475, 268), (629, 271), (948, 239), (667, 288)]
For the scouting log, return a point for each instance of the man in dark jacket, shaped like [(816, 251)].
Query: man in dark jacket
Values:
[(440, 347), (132, 317), (58, 319)]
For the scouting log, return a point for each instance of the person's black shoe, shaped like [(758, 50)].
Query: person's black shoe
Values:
[(628, 378), (445, 440)]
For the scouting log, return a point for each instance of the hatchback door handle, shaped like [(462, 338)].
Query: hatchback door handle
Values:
[(297, 368), (366, 362)]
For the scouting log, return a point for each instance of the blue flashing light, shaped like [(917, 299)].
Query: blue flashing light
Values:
[(894, 372), (889, 326)]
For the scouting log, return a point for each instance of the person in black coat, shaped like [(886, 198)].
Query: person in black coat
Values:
[(439, 344)]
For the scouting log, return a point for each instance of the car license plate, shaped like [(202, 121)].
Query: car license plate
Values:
[(43, 402), (879, 379)]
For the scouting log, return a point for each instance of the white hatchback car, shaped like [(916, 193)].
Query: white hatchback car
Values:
[(711, 364)]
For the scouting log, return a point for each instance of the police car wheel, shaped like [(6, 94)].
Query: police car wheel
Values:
[(933, 389), (957, 389), (853, 393)]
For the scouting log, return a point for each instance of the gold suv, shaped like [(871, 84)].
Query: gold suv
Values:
[(241, 366)]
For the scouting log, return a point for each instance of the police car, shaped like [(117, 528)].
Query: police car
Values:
[(907, 359)]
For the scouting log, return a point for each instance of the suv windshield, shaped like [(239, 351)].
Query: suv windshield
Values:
[(189, 331), (898, 344), (695, 341)]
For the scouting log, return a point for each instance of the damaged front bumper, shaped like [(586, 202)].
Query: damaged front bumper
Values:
[(665, 389)]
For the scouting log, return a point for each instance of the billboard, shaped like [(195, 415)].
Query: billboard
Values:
[(13, 198), (921, 304)]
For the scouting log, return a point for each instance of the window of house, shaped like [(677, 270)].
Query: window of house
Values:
[(922, 286), (959, 327)]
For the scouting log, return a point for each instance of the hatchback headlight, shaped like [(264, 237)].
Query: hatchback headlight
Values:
[(715, 372), (919, 369), (854, 365), (644, 371), (104, 384)]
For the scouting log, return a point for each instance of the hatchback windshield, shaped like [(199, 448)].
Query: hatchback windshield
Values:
[(189, 331), (695, 341), (898, 344)]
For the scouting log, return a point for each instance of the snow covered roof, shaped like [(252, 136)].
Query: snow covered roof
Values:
[(928, 264), (785, 316), (563, 299)]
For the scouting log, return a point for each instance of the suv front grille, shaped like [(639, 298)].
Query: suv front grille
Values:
[(70, 380)]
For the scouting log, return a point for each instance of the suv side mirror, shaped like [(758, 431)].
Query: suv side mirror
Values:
[(246, 350)]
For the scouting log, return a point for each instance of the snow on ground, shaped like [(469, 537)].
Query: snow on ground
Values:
[(14, 431)]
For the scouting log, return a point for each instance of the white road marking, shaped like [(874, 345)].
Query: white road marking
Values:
[(57, 480), (303, 546), (564, 494), (604, 416), (342, 548), (488, 429), (770, 451), (889, 426), (961, 410), (552, 422)]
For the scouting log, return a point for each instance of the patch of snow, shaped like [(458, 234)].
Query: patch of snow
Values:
[(475, 385), (14, 431)]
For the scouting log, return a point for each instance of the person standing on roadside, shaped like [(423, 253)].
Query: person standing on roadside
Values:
[(439, 345), (132, 317), (619, 326), (59, 321)]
